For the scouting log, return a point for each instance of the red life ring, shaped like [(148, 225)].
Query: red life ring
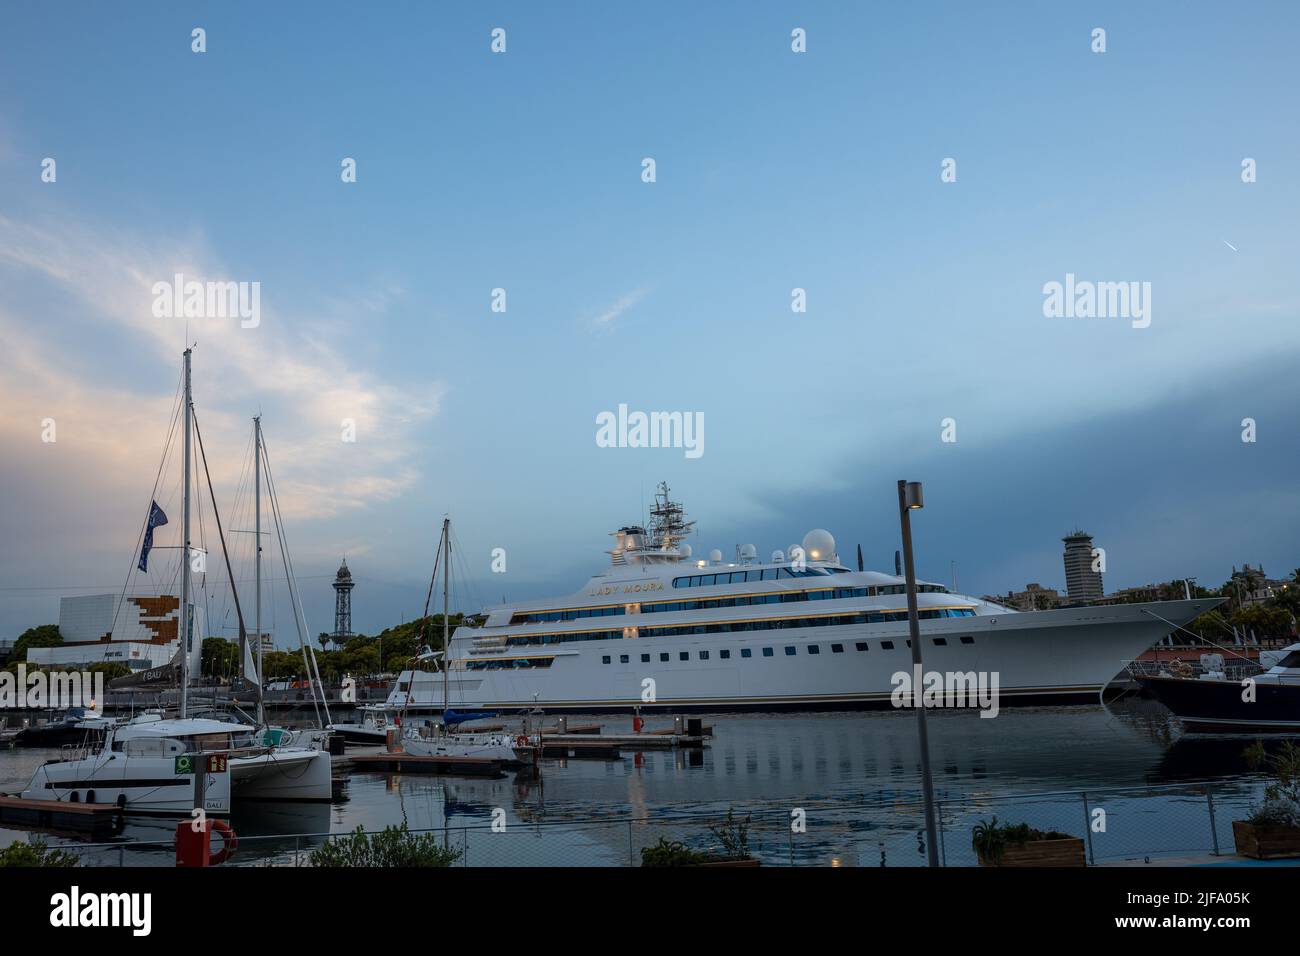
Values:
[(521, 741), (229, 843)]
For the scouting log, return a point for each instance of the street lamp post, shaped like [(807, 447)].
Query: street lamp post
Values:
[(910, 498)]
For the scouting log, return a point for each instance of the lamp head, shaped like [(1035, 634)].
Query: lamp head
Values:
[(913, 496)]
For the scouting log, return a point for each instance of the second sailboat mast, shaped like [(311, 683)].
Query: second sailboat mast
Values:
[(446, 649), (257, 560)]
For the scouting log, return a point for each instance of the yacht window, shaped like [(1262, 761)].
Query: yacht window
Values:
[(1291, 660), (605, 659), (789, 651), (814, 649), (725, 654), (966, 639), (663, 657), (861, 645), (645, 658), (837, 648), (767, 652), (941, 641), (622, 658), (704, 655), (887, 645), (684, 655), (746, 652)]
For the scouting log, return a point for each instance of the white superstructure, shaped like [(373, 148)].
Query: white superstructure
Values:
[(659, 629)]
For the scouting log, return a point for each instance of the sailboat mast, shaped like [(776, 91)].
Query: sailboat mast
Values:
[(257, 559), (186, 619), (446, 650)]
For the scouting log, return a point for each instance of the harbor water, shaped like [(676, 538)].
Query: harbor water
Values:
[(819, 789)]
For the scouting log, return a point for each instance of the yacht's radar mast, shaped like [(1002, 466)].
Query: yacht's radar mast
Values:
[(668, 524), (662, 541)]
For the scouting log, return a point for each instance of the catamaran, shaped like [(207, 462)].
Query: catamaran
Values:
[(659, 629), (147, 765)]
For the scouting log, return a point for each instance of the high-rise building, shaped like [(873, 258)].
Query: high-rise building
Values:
[(343, 586), (1082, 583)]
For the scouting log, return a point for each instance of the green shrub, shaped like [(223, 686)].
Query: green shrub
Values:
[(991, 841), (665, 853), (391, 847), (733, 834), (1281, 806), (35, 853)]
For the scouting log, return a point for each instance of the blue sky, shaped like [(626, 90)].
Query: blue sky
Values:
[(775, 170)]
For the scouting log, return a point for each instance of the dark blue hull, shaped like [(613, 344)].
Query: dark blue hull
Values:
[(1217, 706)]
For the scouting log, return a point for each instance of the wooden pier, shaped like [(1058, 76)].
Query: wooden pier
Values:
[(59, 815)]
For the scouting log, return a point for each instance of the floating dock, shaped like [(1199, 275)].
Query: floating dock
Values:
[(59, 815)]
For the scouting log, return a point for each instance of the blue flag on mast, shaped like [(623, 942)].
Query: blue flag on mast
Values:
[(156, 517)]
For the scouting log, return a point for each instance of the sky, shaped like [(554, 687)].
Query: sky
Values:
[(524, 171)]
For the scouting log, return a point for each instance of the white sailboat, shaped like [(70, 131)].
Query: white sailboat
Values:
[(148, 764), (440, 739)]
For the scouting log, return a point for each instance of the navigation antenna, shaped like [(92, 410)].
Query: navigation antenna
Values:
[(668, 524)]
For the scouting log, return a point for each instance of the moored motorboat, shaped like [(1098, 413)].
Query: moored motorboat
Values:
[(1207, 698), (76, 726), (373, 727)]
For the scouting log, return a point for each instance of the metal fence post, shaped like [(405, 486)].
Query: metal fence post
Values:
[(629, 844), (943, 850), (297, 850), (1214, 829), (1087, 829)]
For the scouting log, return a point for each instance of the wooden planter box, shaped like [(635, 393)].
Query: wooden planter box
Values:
[(1266, 843), (1066, 852)]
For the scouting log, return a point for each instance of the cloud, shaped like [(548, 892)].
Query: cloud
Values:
[(612, 314), (84, 347)]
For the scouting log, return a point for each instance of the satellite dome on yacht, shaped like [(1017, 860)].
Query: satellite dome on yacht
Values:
[(819, 545)]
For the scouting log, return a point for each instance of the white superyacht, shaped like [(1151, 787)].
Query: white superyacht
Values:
[(660, 630)]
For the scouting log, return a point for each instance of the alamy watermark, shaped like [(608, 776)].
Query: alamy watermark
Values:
[(58, 690), (946, 689), (1098, 300), (192, 299), (651, 430)]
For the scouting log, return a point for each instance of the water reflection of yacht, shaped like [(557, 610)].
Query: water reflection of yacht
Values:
[(661, 630)]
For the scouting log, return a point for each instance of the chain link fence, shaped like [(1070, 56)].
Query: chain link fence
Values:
[(886, 829)]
